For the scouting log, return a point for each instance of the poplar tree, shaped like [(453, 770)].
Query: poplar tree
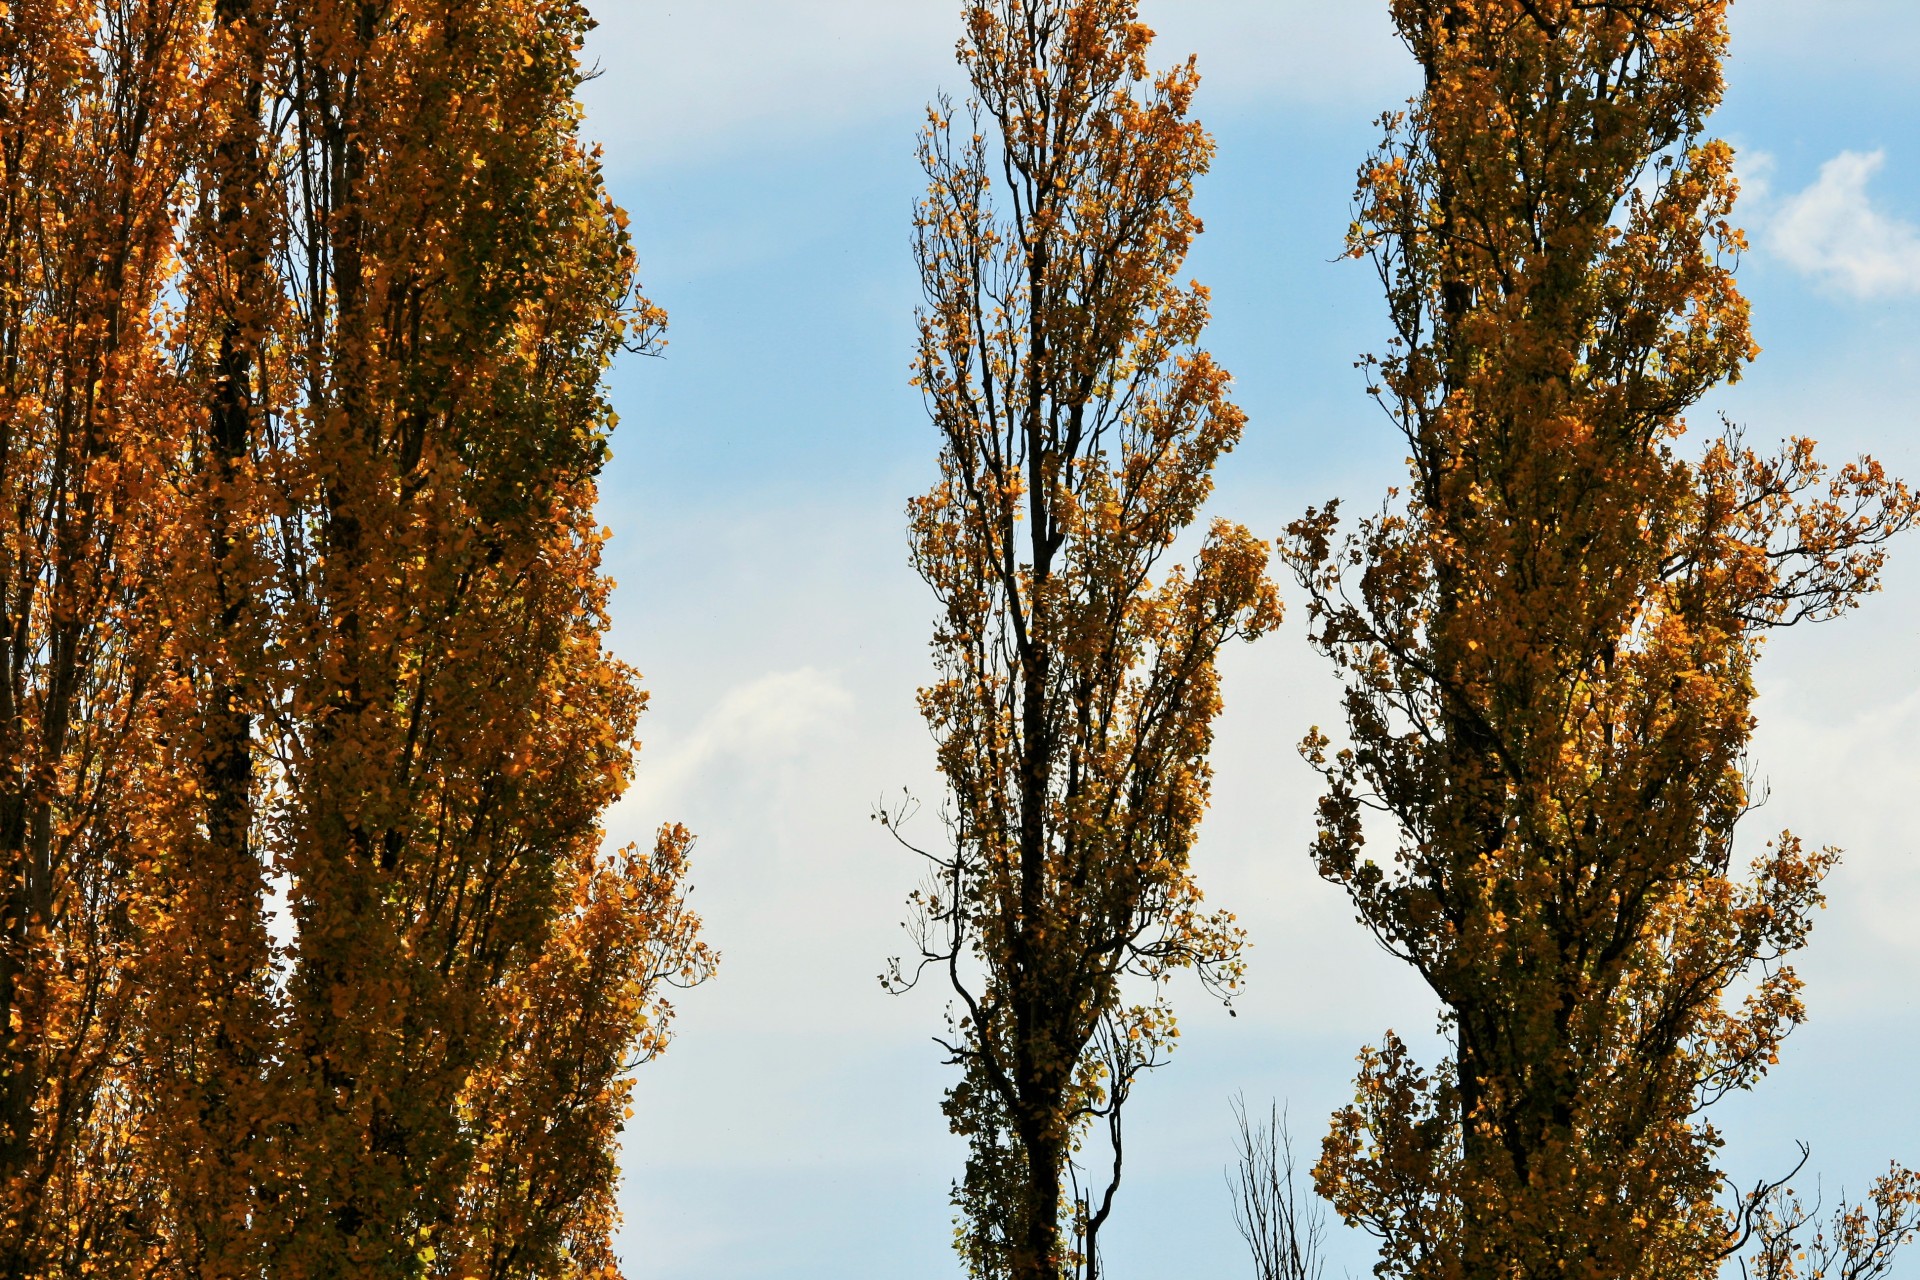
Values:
[(304, 318), (210, 1020), (1549, 642), (469, 978), (1076, 686), (96, 123)]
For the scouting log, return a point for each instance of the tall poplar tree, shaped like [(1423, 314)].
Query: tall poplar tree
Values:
[(210, 1021), (1076, 694), (1549, 643), (304, 317), (96, 122), (468, 976)]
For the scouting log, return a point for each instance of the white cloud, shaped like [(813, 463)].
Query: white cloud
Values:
[(767, 721), (686, 78), (1834, 232), (1754, 169)]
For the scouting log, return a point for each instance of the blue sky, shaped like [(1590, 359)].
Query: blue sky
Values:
[(765, 148)]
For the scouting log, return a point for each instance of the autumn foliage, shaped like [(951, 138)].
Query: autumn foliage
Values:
[(1075, 693), (95, 132), (313, 963), (1549, 642), (306, 310)]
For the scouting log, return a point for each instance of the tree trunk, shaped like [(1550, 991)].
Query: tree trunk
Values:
[(1036, 1254)]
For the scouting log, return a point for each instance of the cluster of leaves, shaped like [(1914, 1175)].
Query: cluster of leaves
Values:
[(304, 310), (1075, 697), (1549, 641)]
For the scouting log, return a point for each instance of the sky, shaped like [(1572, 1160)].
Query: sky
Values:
[(760, 472)]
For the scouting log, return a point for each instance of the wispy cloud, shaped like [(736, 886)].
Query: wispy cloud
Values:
[(760, 725), (682, 81), (1835, 232)]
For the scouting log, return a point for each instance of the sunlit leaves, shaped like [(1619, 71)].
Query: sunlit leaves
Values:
[(306, 310), (1548, 644), (1076, 685)]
